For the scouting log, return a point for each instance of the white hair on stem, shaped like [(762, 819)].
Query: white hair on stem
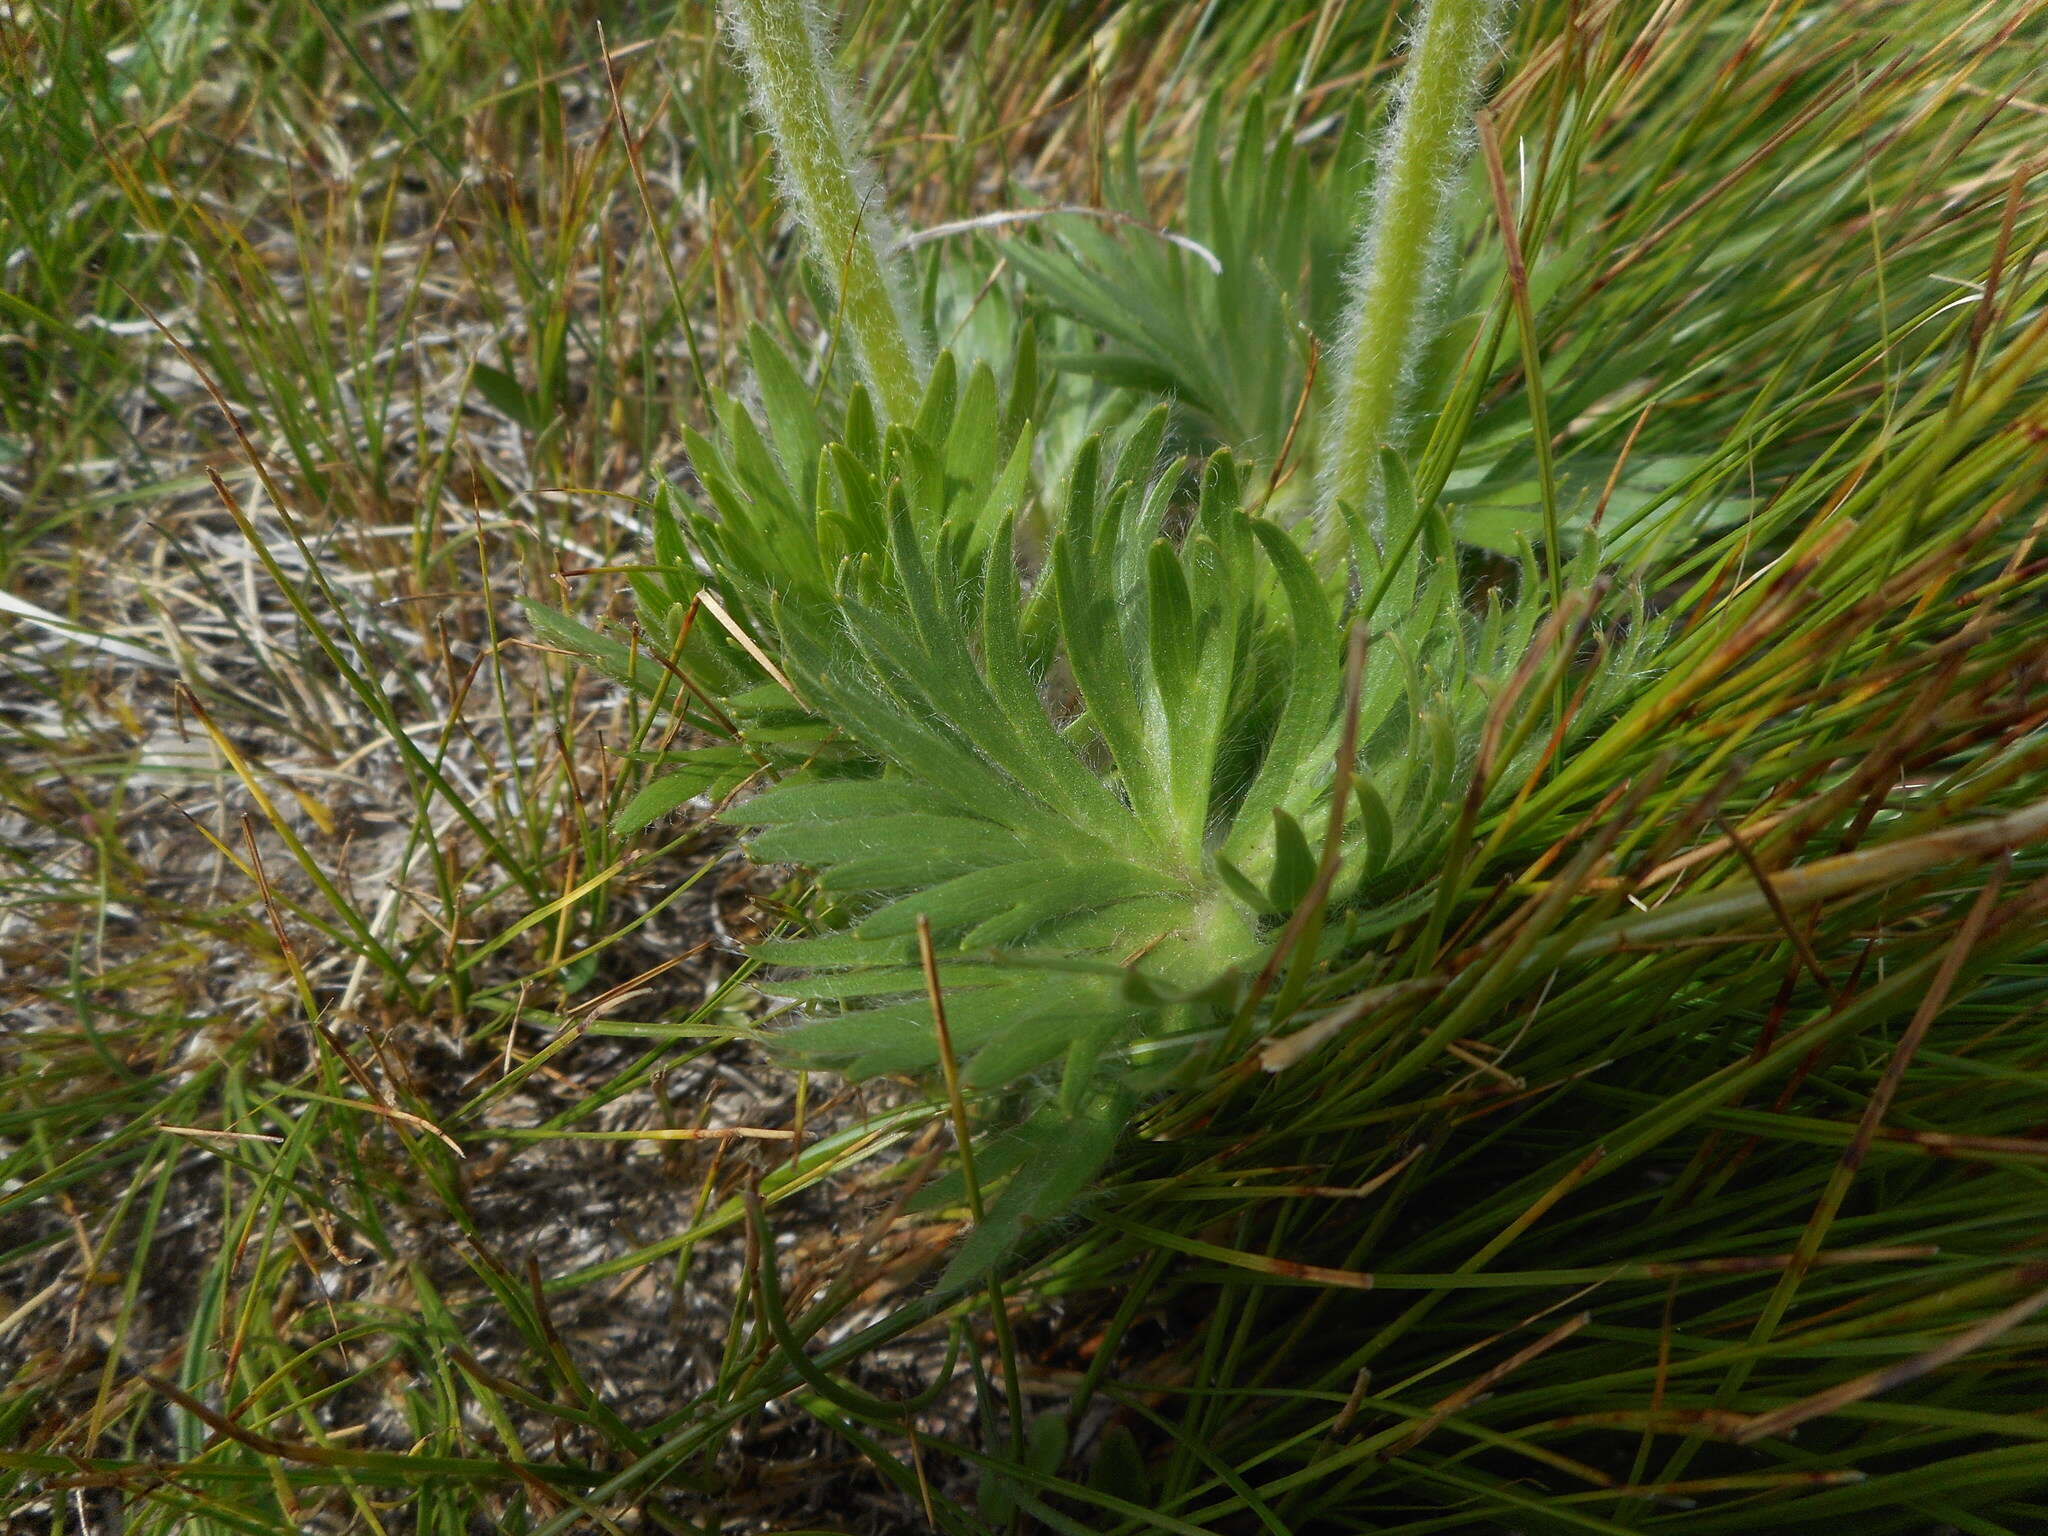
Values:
[(826, 180), (1399, 266)]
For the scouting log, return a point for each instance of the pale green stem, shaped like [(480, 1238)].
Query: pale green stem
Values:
[(1397, 269), (823, 176)]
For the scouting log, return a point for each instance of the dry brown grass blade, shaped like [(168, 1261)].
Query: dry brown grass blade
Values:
[(1809, 884), (1873, 1383), (1484, 1382)]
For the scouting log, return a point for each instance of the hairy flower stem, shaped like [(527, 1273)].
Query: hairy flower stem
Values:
[(1397, 268), (796, 94)]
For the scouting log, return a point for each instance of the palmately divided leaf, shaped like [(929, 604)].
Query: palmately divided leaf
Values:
[(1101, 783)]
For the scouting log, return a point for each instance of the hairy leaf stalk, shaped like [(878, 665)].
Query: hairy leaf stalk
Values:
[(822, 174), (1398, 268)]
